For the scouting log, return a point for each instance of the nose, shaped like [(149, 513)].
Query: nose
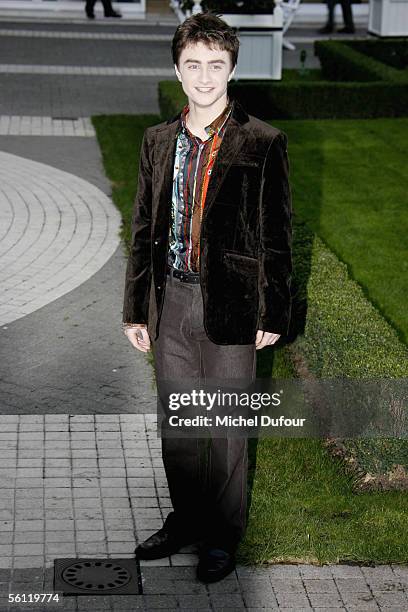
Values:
[(205, 78)]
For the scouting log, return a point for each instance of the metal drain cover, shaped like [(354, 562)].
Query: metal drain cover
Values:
[(92, 576)]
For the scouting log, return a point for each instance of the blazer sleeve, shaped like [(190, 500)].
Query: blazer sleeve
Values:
[(275, 243), (138, 270)]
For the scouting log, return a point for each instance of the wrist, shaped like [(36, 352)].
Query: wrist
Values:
[(130, 325)]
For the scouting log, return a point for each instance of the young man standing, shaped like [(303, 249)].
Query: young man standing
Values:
[(208, 277)]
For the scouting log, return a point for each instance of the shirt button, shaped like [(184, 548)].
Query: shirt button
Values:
[(156, 242), (158, 287)]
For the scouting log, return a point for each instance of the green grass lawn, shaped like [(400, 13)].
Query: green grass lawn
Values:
[(350, 183), (303, 511), (303, 508)]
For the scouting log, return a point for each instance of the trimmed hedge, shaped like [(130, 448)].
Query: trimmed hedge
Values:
[(343, 62), (354, 85), (304, 100), (393, 52)]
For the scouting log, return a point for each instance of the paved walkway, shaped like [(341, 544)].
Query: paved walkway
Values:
[(57, 231), (80, 462)]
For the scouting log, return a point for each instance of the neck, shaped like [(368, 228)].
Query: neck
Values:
[(199, 117)]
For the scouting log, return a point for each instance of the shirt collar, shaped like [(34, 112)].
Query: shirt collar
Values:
[(215, 126)]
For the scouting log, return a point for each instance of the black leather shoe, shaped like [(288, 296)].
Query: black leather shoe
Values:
[(346, 30), (161, 544), (113, 14), (90, 14), (167, 541), (327, 29), (215, 564)]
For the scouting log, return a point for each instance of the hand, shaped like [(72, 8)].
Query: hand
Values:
[(264, 338), (139, 337)]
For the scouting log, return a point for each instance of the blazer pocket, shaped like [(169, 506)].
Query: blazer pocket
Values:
[(241, 263), (246, 163)]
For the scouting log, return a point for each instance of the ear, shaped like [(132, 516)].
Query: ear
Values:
[(177, 72), (231, 73)]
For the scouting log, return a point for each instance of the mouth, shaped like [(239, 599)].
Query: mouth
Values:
[(204, 89)]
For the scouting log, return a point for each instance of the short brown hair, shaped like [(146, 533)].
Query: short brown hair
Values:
[(209, 29)]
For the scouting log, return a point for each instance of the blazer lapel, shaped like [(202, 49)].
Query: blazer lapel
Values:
[(165, 146), (232, 142)]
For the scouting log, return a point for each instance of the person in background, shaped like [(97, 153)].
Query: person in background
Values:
[(347, 17), (107, 8)]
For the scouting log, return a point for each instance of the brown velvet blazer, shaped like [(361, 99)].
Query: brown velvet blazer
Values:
[(245, 261)]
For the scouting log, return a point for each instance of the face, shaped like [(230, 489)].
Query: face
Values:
[(204, 73)]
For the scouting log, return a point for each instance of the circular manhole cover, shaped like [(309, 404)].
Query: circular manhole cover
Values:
[(96, 575)]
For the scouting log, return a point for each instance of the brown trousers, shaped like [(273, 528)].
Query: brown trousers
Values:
[(207, 478)]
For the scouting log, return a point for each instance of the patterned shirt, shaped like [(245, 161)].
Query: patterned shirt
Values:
[(193, 164)]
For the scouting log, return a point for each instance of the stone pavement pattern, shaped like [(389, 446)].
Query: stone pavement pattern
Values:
[(94, 486), (57, 231), (80, 461), (70, 355)]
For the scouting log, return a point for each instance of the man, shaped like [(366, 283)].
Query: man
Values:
[(107, 9), (208, 277), (347, 18)]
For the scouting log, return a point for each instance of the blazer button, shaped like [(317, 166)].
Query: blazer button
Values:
[(158, 287)]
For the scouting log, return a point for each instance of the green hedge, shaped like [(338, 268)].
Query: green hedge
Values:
[(343, 62), (393, 52), (352, 84), (304, 100)]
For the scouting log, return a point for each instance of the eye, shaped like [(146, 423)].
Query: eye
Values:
[(217, 66), (193, 66)]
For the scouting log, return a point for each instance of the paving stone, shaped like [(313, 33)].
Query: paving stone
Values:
[(98, 602), (228, 600), (262, 609), (362, 601), (234, 608), (177, 573), (160, 601), (228, 585), (28, 575), (127, 602), (325, 600), (283, 571), (253, 599), (288, 585), (256, 583), (297, 609), (184, 559), (346, 571), (315, 571), (352, 585), (292, 600), (391, 599), (193, 602), (320, 585), (175, 587)]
